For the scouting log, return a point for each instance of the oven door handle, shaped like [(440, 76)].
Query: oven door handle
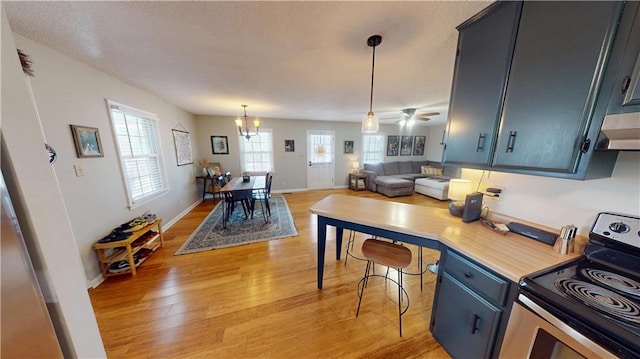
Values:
[(476, 321)]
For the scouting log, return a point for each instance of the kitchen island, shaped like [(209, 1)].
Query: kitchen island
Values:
[(479, 268), (511, 255)]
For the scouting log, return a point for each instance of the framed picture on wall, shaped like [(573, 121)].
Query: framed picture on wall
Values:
[(348, 146), (406, 146), (393, 145), (289, 145), (219, 145), (418, 145), (182, 143), (87, 141)]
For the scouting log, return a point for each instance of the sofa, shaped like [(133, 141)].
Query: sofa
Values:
[(401, 178)]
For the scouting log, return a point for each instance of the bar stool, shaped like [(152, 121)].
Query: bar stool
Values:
[(390, 255)]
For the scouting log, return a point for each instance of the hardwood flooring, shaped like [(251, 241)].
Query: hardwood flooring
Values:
[(260, 300)]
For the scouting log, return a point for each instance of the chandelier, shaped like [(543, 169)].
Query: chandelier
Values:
[(243, 125), (370, 122)]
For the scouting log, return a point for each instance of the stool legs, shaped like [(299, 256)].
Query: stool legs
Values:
[(401, 291)]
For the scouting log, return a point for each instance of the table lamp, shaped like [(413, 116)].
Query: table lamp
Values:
[(458, 190), (355, 167)]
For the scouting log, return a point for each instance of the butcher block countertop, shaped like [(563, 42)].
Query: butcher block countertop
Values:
[(512, 256)]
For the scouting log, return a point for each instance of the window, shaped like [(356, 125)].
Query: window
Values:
[(373, 148), (140, 153), (256, 154)]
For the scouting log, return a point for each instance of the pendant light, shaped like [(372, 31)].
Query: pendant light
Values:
[(243, 126), (370, 123)]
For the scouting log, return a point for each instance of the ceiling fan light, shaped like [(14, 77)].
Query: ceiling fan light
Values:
[(370, 123), (402, 122)]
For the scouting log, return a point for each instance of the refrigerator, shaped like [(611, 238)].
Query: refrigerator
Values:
[(26, 328)]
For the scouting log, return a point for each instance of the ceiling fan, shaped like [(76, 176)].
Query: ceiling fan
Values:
[(408, 116)]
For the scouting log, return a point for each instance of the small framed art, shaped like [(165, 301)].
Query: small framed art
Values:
[(348, 146), (219, 145), (289, 145), (393, 145), (418, 145), (406, 145), (87, 141)]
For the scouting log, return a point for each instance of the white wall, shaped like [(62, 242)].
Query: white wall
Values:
[(68, 92), (291, 167), (555, 202), (39, 206)]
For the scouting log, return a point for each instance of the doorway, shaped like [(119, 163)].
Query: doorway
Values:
[(320, 159)]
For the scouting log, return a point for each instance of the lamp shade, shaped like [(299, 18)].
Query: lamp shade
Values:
[(370, 123), (355, 164), (458, 189)]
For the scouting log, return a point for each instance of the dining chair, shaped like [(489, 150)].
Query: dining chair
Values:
[(263, 195), (230, 200)]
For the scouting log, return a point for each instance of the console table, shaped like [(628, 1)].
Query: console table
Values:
[(212, 181)]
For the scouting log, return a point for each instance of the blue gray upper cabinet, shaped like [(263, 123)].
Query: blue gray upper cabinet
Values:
[(548, 70), (485, 47)]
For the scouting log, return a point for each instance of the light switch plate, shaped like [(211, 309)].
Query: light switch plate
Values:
[(79, 170)]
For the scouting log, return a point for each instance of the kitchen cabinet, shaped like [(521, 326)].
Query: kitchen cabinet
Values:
[(471, 307), (540, 115), (625, 96), (485, 46)]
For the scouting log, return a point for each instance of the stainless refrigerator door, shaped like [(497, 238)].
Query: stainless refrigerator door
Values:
[(26, 328)]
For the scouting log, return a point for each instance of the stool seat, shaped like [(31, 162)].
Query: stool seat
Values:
[(386, 253)]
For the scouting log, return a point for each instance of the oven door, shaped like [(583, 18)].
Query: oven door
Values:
[(533, 332)]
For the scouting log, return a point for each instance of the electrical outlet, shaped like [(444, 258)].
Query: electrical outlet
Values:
[(79, 170), (494, 192)]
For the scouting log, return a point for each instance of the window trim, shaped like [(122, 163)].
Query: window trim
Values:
[(383, 151), (241, 142), (133, 204)]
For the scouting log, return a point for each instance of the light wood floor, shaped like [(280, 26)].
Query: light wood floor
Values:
[(261, 300)]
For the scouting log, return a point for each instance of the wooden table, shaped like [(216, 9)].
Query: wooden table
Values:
[(512, 256), (355, 179), (408, 223), (256, 183), (206, 179)]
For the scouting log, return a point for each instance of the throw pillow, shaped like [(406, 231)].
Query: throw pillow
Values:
[(431, 171)]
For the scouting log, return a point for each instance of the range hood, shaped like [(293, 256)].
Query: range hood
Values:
[(621, 132)]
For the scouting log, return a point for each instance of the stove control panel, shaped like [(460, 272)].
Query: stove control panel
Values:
[(620, 227)]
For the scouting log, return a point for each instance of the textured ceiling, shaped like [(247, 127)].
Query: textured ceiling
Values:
[(295, 60)]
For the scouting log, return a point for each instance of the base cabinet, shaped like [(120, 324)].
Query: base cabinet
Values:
[(471, 308)]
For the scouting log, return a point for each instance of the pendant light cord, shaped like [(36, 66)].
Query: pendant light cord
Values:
[(373, 65)]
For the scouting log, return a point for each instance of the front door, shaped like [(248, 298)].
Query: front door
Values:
[(320, 159)]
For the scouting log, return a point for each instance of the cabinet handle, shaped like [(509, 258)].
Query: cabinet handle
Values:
[(481, 139), (625, 84), (467, 274), (476, 321), (512, 140)]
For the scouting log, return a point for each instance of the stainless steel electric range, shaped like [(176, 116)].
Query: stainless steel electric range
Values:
[(587, 308)]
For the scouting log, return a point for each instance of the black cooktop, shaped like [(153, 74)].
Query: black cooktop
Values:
[(598, 294)]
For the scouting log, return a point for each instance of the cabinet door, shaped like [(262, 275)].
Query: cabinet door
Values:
[(485, 46), (556, 71), (626, 94), (465, 324)]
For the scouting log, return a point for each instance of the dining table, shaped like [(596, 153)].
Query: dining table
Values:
[(236, 186)]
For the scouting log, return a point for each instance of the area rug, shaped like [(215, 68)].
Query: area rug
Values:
[(211, 235)]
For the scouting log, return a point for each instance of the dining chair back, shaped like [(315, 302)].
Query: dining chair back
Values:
[(263, 195)]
